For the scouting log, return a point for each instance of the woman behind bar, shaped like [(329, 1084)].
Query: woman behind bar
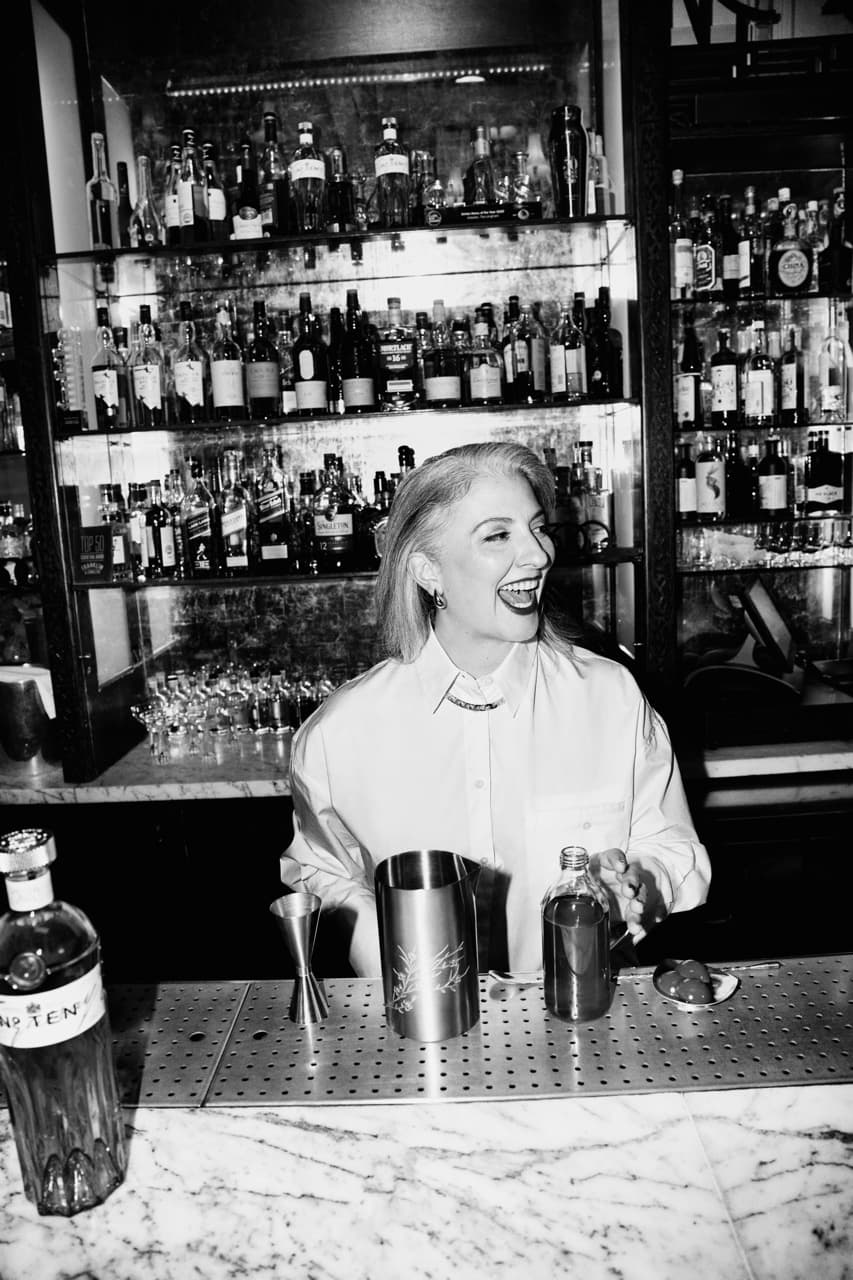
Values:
[(486, 730)]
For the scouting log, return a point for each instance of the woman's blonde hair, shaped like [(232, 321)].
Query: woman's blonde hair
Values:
[(418, 515)]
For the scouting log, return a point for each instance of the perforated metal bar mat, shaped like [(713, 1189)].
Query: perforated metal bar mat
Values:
[(787, 1025), (169, 1037)]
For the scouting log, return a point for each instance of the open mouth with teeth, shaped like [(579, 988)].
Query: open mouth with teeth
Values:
[(520, 597)]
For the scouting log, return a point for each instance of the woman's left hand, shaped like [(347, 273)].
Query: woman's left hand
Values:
[(634, 894)]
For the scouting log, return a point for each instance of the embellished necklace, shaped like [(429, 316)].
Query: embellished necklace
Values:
[(474, 706)]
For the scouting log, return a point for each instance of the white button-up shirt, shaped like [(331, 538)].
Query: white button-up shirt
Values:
[(572, 755)]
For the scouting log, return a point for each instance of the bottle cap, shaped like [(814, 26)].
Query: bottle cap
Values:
[(574, 858), (26, 850)]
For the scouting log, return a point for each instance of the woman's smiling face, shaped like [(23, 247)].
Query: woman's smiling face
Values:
[(493, 556)]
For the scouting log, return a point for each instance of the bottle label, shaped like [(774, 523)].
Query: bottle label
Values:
[(686, 386), (789, 386), (119, 556), (37, 1019), (172, 210), (443, 388), (105, 382), (485, 382), (216, 204), (305, 364), (723, 388), (686, 494), (186, 212), (305, 170), (234, 522), (760, 400), (150, 543), (825, 496), (793, 268), (392, 163), (146, 385), (275, 551), (168, 558), (358, 392), (773, 492), (189, 381), (311, 394), (683, 266), (576, 369), (522, 356), (288, 400), (271, 506), (227, 381), (731, 266), (830, 398), (705, 268), (710, 487), (558, 369), (250, 228), (537, 362), (262, 379), (744, 264)]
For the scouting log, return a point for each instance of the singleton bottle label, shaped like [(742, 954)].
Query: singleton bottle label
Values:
[(311, 395), (216, 204), (685, 396), (683, 265), (686, 494), (42, 1018)]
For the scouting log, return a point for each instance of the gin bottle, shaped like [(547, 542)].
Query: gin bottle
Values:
[(391, 165), (576, 941), (55, 1046), (307, 173)]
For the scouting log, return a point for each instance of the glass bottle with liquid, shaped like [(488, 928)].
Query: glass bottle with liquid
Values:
[(576, 941)]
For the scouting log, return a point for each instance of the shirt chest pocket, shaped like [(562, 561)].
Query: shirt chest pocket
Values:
[(597, 822)]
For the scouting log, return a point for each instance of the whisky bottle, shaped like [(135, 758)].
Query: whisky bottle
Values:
[(358, 362), (340, 193), (159, 536), (171, 207), (680, 242), (760, 382), (310, 363), (307, 170), (191, 370), (397, 362), (483, 366), (789, 261), (740, 485), (685, 483), (192, 194), (197, 516), (729, 250), (478, 184), (226, 371), (832, 372), (710, 482), (217, 203), (568, 148), (148, 379), (707, 253), (274, 190), (125, 209), (792, 385), (751, 251), (772, 482), (529, 356), (688, 383), (286, 376), (567, 359), (246, 220), (137, 525), (102, 199), (370, 518), (442, 367), (391, 166), (263, 391), (145, 226), (334, 521), (110, 380), (824, 479), (274, 530), (238, 519)]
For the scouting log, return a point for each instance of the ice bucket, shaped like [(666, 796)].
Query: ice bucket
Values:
[(428, 941)]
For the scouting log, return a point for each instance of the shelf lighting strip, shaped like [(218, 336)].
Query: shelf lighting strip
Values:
[(460, 75)]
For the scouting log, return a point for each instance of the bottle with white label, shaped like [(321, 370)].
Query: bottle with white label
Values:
[(710, 482), (226, 371), (310, 363), (391, 166), (56, 1059), (307, 173), (760, 382)]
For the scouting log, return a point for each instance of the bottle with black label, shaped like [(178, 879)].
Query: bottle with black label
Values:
[(198, 517), (824, 479), (334, 521), (274, 527), (358, 360), (792, 385), (772, 482)]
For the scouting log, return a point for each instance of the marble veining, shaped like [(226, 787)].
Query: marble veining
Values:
[(746, 1185)]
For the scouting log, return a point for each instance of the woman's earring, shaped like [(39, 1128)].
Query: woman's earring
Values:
[(439, 600)]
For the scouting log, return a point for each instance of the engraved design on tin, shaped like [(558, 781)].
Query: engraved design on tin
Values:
[(442, 974)]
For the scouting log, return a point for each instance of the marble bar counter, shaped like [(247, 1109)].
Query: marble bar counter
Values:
[(261, 1149)]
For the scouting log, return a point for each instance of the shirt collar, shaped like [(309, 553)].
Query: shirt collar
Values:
[(438, 675)]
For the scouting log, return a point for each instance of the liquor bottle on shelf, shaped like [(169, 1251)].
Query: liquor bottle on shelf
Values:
[(307, 171), (724, 385), (137, 524), (391, 166), (604, 353), (773, 482), (680, 241), (173, 497), (729, 250), (751, 249), (529, 354), (160, 537), (789, 259), (832, 372), (310, 363), (246, 217), (567, 360), (102, 199), (421, 334), (372, 516), (226, 370), (340, 193), (397, 362), (685, 483), (442, 364), (192, 194), (824, 477), (812, 236), (478, 183), (217, 202), (171, 205), (286, 375), (125, 209), (275, 548), (201, 546), (147, 375), (792, 385), (334, 521), (568, 148), (358, 360), (110, 380), (836, 258), (601, 199), (740, 482), (113, 513), (688, 382), (145, 226), (335, 387), (707, 253), (237, 520), (274, 189), (484, 384), (191, 372), (520, 192), (56, 1053), (303, 525), (710, 482), (760, 382), (263, 391)]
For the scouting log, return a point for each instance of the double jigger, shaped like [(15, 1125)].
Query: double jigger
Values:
[(296, 916)]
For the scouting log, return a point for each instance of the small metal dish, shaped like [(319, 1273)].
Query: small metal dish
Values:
[(723, 986)]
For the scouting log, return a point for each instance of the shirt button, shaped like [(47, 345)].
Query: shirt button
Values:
[(479, 784), (586, 826)]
